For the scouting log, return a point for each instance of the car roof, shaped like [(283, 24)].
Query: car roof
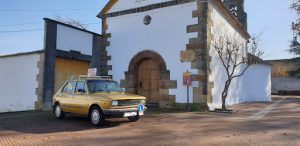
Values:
[(85, 78), (90, 80)]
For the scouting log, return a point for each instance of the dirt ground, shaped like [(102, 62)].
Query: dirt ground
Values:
[(275, 123)]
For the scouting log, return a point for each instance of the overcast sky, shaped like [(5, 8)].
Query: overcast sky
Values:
[(21, 25)]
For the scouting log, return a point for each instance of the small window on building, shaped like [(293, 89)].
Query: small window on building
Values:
[(147, 20), (69, 88), (80, 87)]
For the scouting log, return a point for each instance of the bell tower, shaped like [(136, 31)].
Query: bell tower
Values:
[(237, 8)]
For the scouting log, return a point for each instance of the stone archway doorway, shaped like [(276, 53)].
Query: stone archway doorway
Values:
[(147, 75), (147, 80)]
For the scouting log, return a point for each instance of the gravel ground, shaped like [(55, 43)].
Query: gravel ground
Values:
[(274, 123)]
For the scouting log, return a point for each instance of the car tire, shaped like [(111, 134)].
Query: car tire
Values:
[(59, 114), (134, 118), (97, 117)]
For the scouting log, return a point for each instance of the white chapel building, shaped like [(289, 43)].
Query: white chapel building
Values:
[(144, 41)]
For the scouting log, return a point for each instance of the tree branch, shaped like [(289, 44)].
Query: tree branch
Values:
[(219, 52), (248, 65)]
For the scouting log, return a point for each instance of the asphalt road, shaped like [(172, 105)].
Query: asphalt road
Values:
[(274, 123)]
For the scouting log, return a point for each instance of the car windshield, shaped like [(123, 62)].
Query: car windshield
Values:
[(103, 86)]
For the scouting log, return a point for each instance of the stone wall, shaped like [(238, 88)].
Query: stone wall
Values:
[(199, 46), (283, 80), (129, 83)]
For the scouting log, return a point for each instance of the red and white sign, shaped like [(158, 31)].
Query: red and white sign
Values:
[(187, 79)]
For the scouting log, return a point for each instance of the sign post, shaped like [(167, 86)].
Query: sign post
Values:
[(187, 81)]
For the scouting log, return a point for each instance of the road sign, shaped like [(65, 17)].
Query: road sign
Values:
[(187, 79)]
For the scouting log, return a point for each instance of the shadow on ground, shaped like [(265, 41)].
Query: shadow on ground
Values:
[(37, 122), (45, 122)]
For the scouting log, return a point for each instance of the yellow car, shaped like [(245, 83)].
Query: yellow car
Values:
[(98, 98)]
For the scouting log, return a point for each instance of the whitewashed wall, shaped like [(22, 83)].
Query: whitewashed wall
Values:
[(221, 27), (285, 84), (241, 89), (257, 83), (18, 82), (129, 4), (72, 39), (166, 35)]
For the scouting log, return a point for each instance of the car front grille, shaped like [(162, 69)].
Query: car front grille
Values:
[(128, 102)]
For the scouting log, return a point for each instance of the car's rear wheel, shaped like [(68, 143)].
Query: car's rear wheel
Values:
[(59, 114), (134, 118), (97, 117)]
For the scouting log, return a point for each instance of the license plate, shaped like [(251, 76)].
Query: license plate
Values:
[(130, 114), (141, 109)]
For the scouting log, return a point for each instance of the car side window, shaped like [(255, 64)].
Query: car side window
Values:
[(80, 87), (69, 88)]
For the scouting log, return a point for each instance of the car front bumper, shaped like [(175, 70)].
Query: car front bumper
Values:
[(116, 113)]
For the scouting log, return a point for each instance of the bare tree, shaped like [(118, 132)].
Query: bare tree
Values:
[(236, 58), (295, 45), (296, 25)]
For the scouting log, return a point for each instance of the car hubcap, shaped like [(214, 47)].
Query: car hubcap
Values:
[(95, 117), (57, 111)]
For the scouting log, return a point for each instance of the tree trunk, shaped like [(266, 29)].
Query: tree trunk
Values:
[(224, 94), (223, 103)]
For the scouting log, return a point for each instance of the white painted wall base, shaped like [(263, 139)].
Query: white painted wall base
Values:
[(18, 82)]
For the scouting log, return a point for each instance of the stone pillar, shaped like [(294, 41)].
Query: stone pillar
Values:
[(199, 46), (104, 67), (49, 64)]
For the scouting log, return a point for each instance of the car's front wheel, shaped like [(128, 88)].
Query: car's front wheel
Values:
[(59, 114), (134, 118), (97, 117)]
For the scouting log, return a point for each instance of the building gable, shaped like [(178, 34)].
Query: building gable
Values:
[(120, 5)]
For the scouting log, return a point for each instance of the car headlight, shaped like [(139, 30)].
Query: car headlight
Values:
[(114, 103)]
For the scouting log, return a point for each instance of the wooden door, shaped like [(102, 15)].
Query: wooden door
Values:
[(148, 80), (66, 68)]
